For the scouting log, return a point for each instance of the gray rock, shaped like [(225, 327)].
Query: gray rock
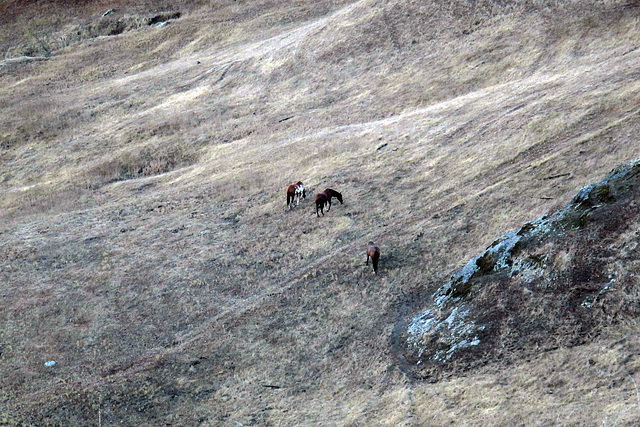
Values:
[(513, 295)]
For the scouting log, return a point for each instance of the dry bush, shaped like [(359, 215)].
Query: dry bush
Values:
[(140, 162)]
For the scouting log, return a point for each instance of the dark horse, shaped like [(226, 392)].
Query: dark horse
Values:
[(295, 192), (325, 198), (373, 252)]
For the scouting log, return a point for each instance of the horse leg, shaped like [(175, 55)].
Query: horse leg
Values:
[(367, 263), (329, 202)]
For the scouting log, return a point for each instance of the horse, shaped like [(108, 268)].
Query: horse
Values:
[(373, 252), (325, 198), (295, 192)]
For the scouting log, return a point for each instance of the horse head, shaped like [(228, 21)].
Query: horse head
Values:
[(333, 193)]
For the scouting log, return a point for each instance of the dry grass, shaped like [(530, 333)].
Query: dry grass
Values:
[(147, 249)]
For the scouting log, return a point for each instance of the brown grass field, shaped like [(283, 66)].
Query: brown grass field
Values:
[(145, 242)]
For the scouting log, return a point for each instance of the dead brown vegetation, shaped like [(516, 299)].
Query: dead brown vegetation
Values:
[(146, 246)]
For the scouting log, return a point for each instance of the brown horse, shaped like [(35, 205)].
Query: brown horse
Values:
[(295, 192), (373, 252), (325, 198)]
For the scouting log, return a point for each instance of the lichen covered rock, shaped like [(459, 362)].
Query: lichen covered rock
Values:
[(553, 282)]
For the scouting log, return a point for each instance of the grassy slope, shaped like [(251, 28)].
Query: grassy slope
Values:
[(147, 249)]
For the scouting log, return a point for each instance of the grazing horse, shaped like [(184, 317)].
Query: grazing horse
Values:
[(295, 192), (325, 198), (373, 252)]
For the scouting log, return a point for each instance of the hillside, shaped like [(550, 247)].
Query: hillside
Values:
[(145, 242), (557, 281)]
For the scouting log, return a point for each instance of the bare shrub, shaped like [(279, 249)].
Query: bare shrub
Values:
[(148, 161)]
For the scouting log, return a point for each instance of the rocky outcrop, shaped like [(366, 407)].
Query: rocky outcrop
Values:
[(43, 43), (557, 281)]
